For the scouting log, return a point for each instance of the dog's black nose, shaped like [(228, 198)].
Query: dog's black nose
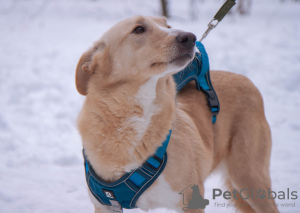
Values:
[(186, 39)]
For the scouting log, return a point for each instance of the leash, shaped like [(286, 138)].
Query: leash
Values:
[(219, 16), (199, 70)]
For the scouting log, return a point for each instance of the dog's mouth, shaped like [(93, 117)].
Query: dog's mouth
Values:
[(180, 60)]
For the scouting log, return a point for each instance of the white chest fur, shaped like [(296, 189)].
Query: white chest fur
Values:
[(145, 98), (160, 195)]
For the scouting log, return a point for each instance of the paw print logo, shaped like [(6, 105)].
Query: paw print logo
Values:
[(261, 194), (108, 194)]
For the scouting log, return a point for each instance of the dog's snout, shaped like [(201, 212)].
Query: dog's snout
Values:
[(186, 39)]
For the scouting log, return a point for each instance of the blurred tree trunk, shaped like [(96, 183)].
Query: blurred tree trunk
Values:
[(164, 7), (244, 6), (193, 10), (195, 6)]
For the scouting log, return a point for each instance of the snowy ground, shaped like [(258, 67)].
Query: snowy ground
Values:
[(41, 41)]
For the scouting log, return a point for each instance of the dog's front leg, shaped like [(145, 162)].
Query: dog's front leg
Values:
[(103, 209)]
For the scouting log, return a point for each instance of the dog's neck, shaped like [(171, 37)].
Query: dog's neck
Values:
[(121, 127)]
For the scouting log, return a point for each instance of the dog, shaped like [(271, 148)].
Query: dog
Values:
[(131, 104)]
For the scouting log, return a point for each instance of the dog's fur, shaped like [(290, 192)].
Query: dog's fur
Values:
[(131, 104)]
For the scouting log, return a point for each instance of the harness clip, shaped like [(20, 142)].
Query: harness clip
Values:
[(219, 16), (213, 101), (212, 24)]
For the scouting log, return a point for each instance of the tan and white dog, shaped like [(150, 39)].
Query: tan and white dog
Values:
[(131, 104)]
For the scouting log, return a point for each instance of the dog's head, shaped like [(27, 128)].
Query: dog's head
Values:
[(136, 48)]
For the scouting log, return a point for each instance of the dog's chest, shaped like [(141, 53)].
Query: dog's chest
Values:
[(145, 98), (160, 195)]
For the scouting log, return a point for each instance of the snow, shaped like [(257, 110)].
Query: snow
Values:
[(41, 41)]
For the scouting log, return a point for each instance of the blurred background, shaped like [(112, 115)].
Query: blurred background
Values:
[(41, 41)]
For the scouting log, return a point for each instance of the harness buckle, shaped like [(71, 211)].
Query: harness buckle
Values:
[(115, 206), (213, 101)]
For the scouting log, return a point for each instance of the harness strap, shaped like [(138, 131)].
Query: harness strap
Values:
[(126, 191), (198, 70)]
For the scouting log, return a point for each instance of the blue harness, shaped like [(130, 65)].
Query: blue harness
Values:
[(125, 192), (198, 71)]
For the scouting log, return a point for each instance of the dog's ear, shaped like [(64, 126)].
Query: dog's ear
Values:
[(84, 71)]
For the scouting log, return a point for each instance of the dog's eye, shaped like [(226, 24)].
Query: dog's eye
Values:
[(139, 30)]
